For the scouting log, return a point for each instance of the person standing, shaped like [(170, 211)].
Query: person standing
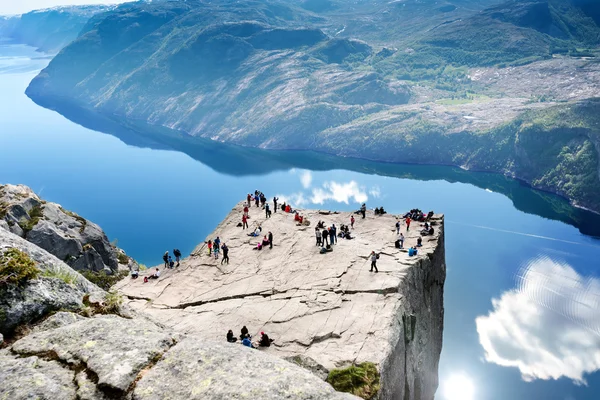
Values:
[(249, 198), (397, 226), (166, 259), (352, 221), (275, 199), (332, 235), (318, 235), (225, 254), (401, 240), (374, 257), (325, 235), (246, 210), (256, 200), (363, 210), (267, 211), (177, 254), (270, 240), (244, 221), (209, 247), (407, 223)]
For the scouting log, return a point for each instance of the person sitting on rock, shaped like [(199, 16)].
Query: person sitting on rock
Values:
[(320, 224), (429, 215), (134, 274), (256, 232), (155, 275), (265, 241), (247, 342), (412, 252), (264, 340), (419, 242), (244, 332), (288, 209), (230, 337)]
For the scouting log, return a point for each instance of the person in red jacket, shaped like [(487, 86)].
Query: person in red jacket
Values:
[(407, 223), (244, 221)]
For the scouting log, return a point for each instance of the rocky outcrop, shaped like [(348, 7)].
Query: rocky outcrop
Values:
[(325, 311), (73, 239), (127, 356), (57, 287)]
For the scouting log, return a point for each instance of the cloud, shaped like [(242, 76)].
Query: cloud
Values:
[(375, 192), (294, 199), (548, 327), (339, 192), (306, 179)]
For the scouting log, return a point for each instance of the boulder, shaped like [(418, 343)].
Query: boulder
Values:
[(199, 369), (34, 378), (115, 349), (58, 287), (65, 234), (58, 320)]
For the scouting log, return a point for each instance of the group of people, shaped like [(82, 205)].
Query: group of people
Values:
[(246, 339), (168, 260), (418, 215), (214, 248)]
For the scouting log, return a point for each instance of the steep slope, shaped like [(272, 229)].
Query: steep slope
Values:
[(315, 75), (48, 30), (78, 242)]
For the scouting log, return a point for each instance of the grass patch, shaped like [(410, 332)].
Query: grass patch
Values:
[(35, 215), (102, 279), (123, 259), (16, 267), (362, 380), (111, 304), (3, 209), (143, 267), (59, 273)]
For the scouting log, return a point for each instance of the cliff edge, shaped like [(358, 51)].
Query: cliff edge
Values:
[(326, 311)]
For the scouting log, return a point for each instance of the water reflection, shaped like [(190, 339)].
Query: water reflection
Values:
[(242, 161), (548, 327)]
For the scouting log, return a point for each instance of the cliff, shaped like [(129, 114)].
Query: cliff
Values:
[(48, 30), (63, 338), (449, 82), (324, 311), (71, 238)]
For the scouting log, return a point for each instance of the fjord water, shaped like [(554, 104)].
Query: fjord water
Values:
[(522, 293)]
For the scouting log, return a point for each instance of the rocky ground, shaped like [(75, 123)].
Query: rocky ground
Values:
[(327, 309), (73, 239), (60, 340)]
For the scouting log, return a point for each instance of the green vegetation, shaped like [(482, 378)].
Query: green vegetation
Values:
[(362, 380), (3, 209), (35, 215), (16, 267), (123, 259), (110, 304), (102, 279), (60, 273)]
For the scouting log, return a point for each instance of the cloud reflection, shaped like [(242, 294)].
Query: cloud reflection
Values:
[(549, 327)]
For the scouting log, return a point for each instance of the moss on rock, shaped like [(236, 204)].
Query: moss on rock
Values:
[(361, 380), (16, 267)]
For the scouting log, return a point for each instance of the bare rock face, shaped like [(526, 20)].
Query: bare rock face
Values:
[(51, 291), (328, 308), (115, 349), (73, 239), (196, 369), (34, 378)]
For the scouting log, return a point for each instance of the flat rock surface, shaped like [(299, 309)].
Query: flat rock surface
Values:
[(33, 378), (199, 369), (326, 307), (115, 349)]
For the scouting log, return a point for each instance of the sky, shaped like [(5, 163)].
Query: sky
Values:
[(8, 7)]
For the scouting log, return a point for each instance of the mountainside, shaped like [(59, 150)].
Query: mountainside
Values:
[(423, 81), (48, 30)]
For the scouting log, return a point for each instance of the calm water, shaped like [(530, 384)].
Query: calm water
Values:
[(522, 294)]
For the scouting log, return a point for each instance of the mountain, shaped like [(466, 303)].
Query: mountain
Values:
[(49, 30), (481, 85)]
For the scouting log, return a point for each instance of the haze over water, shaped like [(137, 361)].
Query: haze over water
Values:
[(522, 291)]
